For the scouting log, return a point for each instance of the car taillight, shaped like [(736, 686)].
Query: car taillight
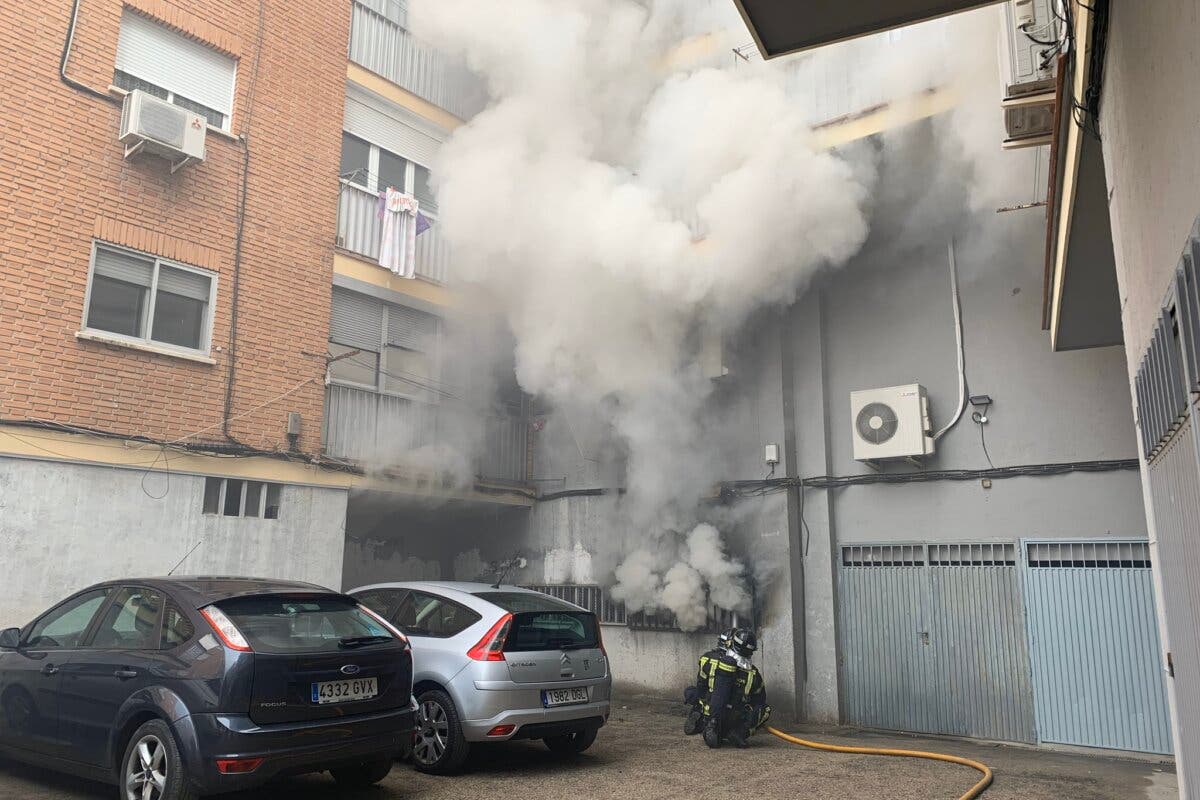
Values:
[(491, 646), (387, 625), (224, 627), (238, 766)]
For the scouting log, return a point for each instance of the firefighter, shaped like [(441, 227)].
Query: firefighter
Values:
[(736, 706), (695, 696)]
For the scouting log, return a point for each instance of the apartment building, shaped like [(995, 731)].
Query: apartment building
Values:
[(204, 355)]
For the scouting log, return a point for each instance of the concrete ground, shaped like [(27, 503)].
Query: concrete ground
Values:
[(643, 754)]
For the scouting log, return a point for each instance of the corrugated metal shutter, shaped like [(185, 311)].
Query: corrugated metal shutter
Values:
[(356, 320), (123, 266), (184, 283), (178, 64), (388, 129), (411, 329)]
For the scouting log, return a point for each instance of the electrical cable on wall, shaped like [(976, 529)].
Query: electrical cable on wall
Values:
[(66, 55), (958, 339)]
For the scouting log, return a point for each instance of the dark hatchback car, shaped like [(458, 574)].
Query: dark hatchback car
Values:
[(176, 687)]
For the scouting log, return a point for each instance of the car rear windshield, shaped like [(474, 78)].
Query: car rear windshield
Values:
[(515, 602), (289, 624), (552, 630)]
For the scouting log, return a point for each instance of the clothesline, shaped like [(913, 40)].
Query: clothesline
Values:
[(366, 172)]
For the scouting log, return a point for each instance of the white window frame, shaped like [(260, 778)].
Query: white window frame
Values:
[(147, 321), (262, 500), (226, 119), (372, 182), (380, 382)]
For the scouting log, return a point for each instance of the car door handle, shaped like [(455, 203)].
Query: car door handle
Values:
[(49, 669), (125, 674)]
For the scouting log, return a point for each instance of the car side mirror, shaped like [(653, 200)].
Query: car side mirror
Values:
[(10, 638)]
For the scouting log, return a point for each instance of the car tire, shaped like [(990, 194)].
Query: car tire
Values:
[(152, 755), (360, 776), (572, 744), (439, 747)]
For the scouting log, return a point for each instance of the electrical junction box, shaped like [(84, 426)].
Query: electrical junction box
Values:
[(771, 456), (891, 423)]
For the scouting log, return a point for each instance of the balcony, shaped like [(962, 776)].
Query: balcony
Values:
[(360, 230), (375, 428), (380, 42)]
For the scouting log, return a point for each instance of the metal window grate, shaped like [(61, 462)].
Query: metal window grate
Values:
[(973, 555), (1171, 364), (591, 597), (884, 555), (1088, 555)]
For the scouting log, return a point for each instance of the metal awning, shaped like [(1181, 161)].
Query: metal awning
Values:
[(780, 27)]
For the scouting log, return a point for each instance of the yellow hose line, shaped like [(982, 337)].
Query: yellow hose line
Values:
[(974, 791)]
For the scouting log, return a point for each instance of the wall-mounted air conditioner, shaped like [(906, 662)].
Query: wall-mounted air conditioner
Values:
[(151, 125), (1028, 55), (891, 423)]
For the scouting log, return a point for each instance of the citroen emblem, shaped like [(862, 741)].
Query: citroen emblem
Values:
[(566, 659)]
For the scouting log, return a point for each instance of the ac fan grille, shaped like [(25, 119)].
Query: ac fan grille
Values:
[(163, 123), (876, 423)]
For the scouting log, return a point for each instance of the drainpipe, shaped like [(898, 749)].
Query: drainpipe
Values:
[(795, 534)]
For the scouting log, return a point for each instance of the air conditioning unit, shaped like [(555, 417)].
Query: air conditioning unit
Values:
[(151, 125), (1028, 69), (891, 423)]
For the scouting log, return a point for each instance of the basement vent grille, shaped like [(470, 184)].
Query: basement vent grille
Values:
[(1089, 555), (589, 596), (973, 555), (884, 555), (1170, 367)]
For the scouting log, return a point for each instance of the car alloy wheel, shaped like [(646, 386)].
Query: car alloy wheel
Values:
[(432, 734), (146, 771)]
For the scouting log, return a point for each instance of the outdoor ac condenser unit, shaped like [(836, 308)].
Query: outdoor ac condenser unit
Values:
[(151, 125), (891, 423), (1028, 69)]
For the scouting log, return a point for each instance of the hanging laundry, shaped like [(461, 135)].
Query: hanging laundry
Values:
[(423, 223), (397, 251)]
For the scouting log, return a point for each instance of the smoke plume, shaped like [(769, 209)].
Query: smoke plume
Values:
[(633, 189)]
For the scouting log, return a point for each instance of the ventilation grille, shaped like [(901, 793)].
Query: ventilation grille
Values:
[(1089, 555), (884, 555), (972, 555), (589, 596), (162, 122), (1162, 382), (876, 423)]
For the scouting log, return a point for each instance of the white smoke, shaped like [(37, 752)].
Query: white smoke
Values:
[(631, 188)]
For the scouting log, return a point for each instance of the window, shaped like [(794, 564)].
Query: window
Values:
[(131, 622), (64, 627), (384, 602), (233, 497), (423, 614), (175, 68), (273, 624), (376, 169), (148, 299), (177, 629), (397, 346)]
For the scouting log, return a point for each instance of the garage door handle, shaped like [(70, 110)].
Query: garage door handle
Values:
[(126, 674)]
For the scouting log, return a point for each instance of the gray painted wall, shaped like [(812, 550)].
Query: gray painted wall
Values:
[(65, 526)]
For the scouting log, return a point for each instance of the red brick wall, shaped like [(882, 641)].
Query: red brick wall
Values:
[(63, 179)]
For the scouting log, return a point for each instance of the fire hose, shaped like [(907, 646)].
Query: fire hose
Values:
[(973, 792)]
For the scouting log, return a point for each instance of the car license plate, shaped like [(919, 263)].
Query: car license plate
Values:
[(344, 691), (564, 697)]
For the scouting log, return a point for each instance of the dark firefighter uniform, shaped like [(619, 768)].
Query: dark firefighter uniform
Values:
[(697, 696), (736, 705)]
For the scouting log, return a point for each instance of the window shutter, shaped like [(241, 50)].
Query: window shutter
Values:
[(155, 53), (356, 320), (122, 266), (412, 329), (388, 128), (184, 283)]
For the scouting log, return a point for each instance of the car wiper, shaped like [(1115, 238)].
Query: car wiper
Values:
[(359, 641)]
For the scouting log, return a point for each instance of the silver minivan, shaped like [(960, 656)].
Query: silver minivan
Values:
[(496, 663)]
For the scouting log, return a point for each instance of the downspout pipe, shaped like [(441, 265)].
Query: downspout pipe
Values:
[(795, 533)]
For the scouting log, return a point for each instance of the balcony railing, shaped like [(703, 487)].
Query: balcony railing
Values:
[(380, 42), (360, 230), (380, 429)]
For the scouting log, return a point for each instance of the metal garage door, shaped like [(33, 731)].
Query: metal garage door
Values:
[(933, 640), (1094, 645)]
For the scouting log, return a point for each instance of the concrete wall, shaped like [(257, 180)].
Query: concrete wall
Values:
[(65, 526)]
